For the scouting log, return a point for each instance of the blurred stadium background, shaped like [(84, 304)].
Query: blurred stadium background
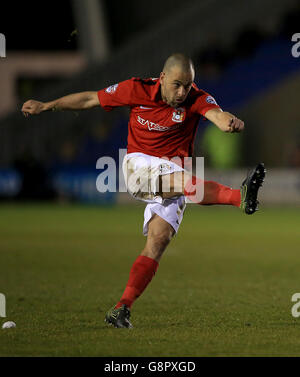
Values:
[(242, 54)]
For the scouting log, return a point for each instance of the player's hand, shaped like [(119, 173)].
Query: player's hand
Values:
[(236, 125), (32, 107)]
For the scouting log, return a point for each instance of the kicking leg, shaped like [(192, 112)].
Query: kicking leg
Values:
[(204, 192), (198, 190)]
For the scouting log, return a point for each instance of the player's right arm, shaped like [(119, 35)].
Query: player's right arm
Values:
[(76, 101)]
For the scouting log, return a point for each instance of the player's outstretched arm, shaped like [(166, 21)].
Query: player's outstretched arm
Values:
[(76, 101), (225, 121)]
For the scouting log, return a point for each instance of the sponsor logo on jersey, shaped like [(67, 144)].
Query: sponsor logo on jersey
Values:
[(153, 126), (178, 115), (112, 89), (210, 99)]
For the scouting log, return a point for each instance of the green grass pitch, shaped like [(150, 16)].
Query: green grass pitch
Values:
[(223, 288)]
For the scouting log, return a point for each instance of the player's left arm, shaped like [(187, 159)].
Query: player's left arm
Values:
[(224, 120)]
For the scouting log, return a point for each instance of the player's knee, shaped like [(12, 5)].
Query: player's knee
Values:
[(157, 242), (160, 233), (161, 240)]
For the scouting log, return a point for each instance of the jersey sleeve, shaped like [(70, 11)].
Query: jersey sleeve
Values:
[(204, 102), (117, 95)]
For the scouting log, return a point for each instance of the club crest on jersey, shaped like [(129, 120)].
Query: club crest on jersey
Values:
[(112, 89), (178, 115)]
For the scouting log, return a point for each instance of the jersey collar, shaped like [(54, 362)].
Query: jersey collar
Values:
[(156, 94)]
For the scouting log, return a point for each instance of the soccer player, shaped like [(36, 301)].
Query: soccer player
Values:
[(164, 115)]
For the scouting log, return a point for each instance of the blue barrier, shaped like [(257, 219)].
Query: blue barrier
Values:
[(75, 184), (81, 185), (10, 183)]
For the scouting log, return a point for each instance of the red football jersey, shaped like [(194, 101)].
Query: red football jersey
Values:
[(155, 128)]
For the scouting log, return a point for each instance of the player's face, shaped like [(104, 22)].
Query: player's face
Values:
[(176, 85)]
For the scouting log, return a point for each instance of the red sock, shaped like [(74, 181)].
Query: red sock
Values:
[(142, 272), (214, 193)]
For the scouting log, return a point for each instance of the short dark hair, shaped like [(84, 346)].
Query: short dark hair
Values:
[(180, 60)]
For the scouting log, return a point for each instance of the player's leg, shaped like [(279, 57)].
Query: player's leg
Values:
[(162, 219), (209, 192), (160, 233), (159, 236), (198, 190), (144, 268)]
